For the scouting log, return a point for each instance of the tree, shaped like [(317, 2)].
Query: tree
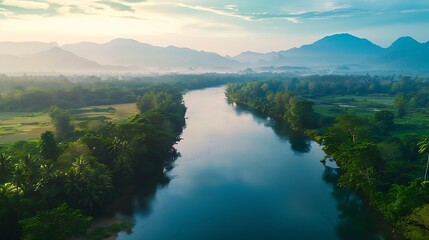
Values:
[(300, 113), (6, 168), (424, 148), (417, 224), (384, 119), (12, 207), (400, 104), (122, 151), (59, 223), (48, 146), (61, 120), (88, 182), (26, 173), (348, 128)]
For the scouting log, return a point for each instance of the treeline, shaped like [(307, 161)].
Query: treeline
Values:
[(324, 85), (390, 170), (49, 190), (271, 98), (38, 93)]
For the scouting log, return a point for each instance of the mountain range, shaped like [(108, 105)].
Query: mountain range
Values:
[(339, 51)]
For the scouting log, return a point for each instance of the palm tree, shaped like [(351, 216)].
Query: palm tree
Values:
[(122, 151), (423, 148), (26, 173), (5, 168), (88, 182)]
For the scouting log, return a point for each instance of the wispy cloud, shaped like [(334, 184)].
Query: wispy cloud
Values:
[(51, 9), (134, 1), (415, 10), (73, 9), (228, 11), (117, 6)]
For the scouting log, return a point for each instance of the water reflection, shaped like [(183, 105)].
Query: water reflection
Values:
[(243, 176), (355, 216), (357, 219), (140, 197), (299, 142)]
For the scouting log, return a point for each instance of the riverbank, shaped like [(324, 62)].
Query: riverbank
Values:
[(369, 157)]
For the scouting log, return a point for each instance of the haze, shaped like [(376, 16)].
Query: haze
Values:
[(225, 27)]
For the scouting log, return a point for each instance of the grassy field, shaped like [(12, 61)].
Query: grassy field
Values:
[(15, 126), (411, 123), (360, 105)]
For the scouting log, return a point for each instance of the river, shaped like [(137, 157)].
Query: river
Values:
[(243, 176)]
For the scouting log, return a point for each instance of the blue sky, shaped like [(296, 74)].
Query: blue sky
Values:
[(223, 26)]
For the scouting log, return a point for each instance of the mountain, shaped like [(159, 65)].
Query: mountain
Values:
[(333, 50), (341, 51), (21, 48), (131, 52), (338, 49), (336, 53), (407, 53), (52, 60), (253, 57)]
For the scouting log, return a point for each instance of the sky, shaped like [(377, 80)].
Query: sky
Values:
[(227, 27)]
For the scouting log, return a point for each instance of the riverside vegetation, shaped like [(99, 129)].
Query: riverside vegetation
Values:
[(57, 183), (381, 149), (51, 188)]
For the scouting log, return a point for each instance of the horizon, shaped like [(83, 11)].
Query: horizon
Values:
[(223, 27), (59, 45)]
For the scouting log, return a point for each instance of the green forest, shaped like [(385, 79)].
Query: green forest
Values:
[(380, 151), (52, 187), (374, 127)]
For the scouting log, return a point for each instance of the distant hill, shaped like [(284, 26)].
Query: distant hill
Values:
[(131, 52), (406, 53), (21, 48), (52, 60), (342, 50), (336, 53)]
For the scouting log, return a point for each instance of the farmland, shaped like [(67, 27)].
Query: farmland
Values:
[(16, 126)]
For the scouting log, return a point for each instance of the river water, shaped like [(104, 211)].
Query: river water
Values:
[(243, 176)]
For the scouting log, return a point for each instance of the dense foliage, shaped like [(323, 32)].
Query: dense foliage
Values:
[(49, 188), (33, 93), (272, 98), (386, 168)]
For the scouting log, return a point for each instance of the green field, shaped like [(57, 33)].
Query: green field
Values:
[(15, 126), (361, 105), (411, 123)]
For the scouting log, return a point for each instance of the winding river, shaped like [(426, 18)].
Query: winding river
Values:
[(243, 176)]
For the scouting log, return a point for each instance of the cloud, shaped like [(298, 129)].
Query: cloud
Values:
[(73, 9), (229, 11), (415, 10), (116, 6), (50, 10), (134, 1)]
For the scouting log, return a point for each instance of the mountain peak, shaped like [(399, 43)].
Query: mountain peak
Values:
[(123, 41), (343, 39), (406, 41)]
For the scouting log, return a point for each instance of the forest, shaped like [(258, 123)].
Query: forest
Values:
[(59, 182), (387, 162), (52, 187)]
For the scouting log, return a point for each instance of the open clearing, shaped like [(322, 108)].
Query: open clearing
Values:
[(15, 126)]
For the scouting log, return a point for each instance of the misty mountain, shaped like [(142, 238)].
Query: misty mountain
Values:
[(254, 57), (347, 50), (131, 52), (407, 53), (21, 48), (339, 52), (52, 60)]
